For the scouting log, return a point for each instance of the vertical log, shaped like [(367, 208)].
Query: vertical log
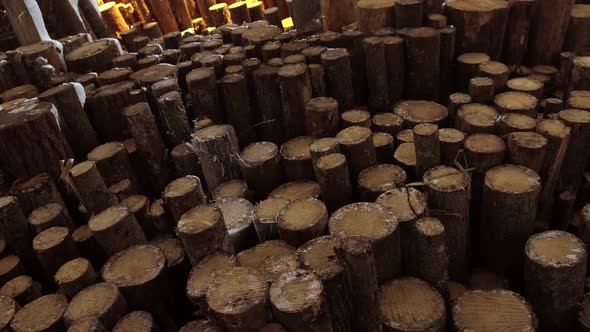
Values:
[(54, 247), (26, 20), (183, 194), (577, 151), (409, 13), (332, 174), (376, 73), (548, 29), (162, 12), (517, 31), (295, 87), (422, 63), (372, 16), (427, 145), (116, 228), (357, 144), (527, 149), (260, 163), (203, 89), (237, 107), (44, 313), (336, 63)]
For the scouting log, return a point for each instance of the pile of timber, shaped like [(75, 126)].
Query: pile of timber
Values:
[(387, 165)]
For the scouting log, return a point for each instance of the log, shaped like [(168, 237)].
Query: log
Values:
[(576, 155), (76, 126), (54, 247), (409, 13), (23, 289), (322, 147), (297, 164), (49, 215), (307, 312), (20, 92), (144, 130), (332, 174), (296, 228), (139, 206), (336, 63), (109, 306), (435, 20), (427, 145), (36, 143), (14, 222), (273, 16), (43, 314), (219, 14), (447, 60), (260, 163), (112, 17), (201, 274), (173, 115), (562, 273), (35, 192), (357, 255), (295, 87), (384, 150), (208, 144), (526, 85), (266, 214), (182, 194), (456, 101), (516, 102), (256, 10), (387, 123), (431, 253), (87, 324), (114, 75), (182, 14), (476, 118), (414, 112), (448, 197), (527, 149), (376, 73), (375, 180), (357, 144), (451, 141), (236, 103), (239, 12), (147, 286), (253, 313), (395, 59), (25, 20), (517, 31), (353, 41), (422, 63), (162, 12), (203, 90), (44, 49), (96, 56), (116, 228), (515, 203), (384, 238), (202, 231), (481, 89), (511, 122), (134, 319), (321, 117), (373, 15), (113, 163), (11, 268), (74, 276), (295, 190), (547, 32), (468, 67), (90, 187), (398, 311), (92, 14), (575, 40), (516, 311), (337, 14)]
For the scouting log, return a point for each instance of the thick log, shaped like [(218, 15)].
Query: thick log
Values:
[(295, 87), (517, 31), (116, 228), (511, 122), (202, 231), (409, 13), (548, 29), (43, 314), (74, 276), (375, 180), (336, 63), (112, 17), (337, 14), (92, 14), (481, 89), (332, 174), (93, 57), (109, 306), (516, 102)]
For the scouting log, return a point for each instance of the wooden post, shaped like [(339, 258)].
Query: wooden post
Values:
[(236, 102), (516, 102), (202, 231), (527, 149), (35, 143), (74, 276), (515, 202), (182, 194), (49, 215), (201, 274), (397, 309), (91, 188), (516, 311), (112, 17), (266, 214), (147, 287), (217, 168), (384, 237), (448, 196), (481, 89), (295, 87), (427, 145), (254, 312), (44, 313), (431, 253), (547, 32), (337, 14), (384, 150), (451, 141), (110, 305), (113, 163), (26, 21), (562, 273), (409, 13), (353, 41), (422, 63), (574, 161), (517, 31), (92, 14), (296, 156), (256, 10), (173, 115), (239, 12), (182, 13), (357, 255), (296, 228), (447, 60), (203, 89), (476, 118), (162, 12), (378, 83), (219, 14), (54, 247), (321, 117), (336, 63), (357, 144), (456, 101), (260, 163), (332, 174), (372, 16), (467, 67)]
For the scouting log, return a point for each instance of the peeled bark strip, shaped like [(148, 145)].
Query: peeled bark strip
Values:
[(527, 149), (43, 314), (473, 311), (548, 29), (54, 247), (31, 140), (91, 188), (116, 228), (295, 87), (427, 145), (357, 144), (306, 312), (226, 289), (93, 57), (374, 15), (399, 311), (146, 286), (383, 234), (336, 63), (74, 276), (448, 195), (517, 31), (202, 231), (356, 255), (560, 272), (508, 211), (376, 72), (143, 127), (183, 194), (217, 149)]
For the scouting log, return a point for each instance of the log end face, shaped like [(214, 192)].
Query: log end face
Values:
[(369, 220), (40, 314), (512, 179), (557, 249), (134, 266)]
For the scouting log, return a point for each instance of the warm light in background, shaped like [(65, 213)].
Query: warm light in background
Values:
[(287, 23)]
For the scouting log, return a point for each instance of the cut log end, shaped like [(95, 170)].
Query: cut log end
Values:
[(44, 313)]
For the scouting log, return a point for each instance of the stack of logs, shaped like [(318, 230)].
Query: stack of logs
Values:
[(394, 175)]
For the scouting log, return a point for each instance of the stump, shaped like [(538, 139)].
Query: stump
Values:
[(410, 304), (372, 16), (357, 145), (302, 221), (43, 314), (516, 102), (23, 289), (555, 261), (116, 229)]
